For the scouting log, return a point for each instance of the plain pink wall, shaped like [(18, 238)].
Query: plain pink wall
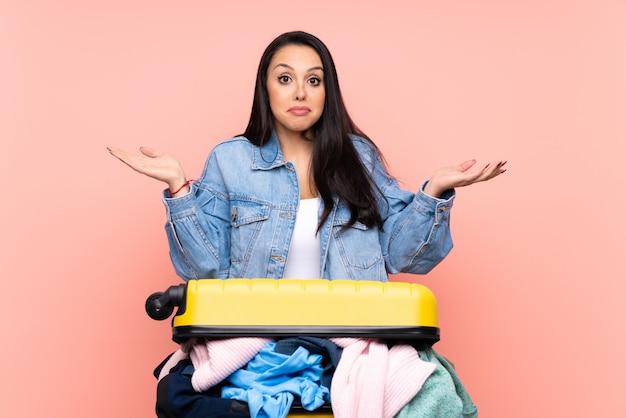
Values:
[(532, 298)]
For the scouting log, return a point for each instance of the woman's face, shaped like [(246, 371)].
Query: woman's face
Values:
[(295, 84)]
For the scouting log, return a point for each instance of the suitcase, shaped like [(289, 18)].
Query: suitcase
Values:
[(398, 312)]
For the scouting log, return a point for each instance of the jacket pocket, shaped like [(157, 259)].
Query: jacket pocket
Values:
[(247, 219), (358, 245)]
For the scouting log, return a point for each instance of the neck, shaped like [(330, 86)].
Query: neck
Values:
[(299, 151), (295, 147)]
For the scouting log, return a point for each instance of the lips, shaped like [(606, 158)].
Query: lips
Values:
[(299, 110)]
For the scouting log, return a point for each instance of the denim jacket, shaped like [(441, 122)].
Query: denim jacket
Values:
[(238, 220)]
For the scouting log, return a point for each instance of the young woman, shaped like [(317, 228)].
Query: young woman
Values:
[(302, 193)]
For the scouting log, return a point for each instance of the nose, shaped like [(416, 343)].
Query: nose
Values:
[(300, 91)]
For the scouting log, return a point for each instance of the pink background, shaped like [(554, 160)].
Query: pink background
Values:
[(532, 298)]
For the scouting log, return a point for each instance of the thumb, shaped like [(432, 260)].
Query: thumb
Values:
[(150, 152), (466, 165)]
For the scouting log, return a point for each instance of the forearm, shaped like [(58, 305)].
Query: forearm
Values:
[(198, 238), (418, 237), (190, 260)]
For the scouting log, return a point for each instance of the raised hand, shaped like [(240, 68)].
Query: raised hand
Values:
[(153, 163), (459, 176)]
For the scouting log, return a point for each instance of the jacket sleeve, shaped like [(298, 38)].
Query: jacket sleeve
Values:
[(416, 229), (198, 227)]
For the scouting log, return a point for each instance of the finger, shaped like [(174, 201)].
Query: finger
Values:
[(114, 151), (150, 152), (118, 153), (498, 169), (466, 165), (495, 171), (488, 171), (494, 167)]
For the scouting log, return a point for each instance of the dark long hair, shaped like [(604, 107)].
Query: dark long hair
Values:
[(337, 168)]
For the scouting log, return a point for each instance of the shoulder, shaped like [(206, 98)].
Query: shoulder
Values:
[(366, 149), (227, 153), (232, 144), (361, 142), (232, 149)]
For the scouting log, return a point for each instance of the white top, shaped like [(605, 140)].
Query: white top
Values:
[(303, 260)]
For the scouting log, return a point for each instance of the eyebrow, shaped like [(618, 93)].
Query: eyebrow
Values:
[(293, 69)]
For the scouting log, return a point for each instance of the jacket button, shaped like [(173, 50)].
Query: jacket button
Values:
[(278, 258)]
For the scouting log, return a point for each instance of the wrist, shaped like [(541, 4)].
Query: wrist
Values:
[(180, 189), (432, 190)]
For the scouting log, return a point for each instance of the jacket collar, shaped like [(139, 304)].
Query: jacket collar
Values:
[(269, 155)]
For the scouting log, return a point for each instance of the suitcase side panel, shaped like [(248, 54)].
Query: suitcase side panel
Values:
[(291, 302)]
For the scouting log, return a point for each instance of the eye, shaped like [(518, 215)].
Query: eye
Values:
[(284, 79), (315, 81)]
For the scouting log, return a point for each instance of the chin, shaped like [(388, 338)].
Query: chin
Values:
[(303, 129)]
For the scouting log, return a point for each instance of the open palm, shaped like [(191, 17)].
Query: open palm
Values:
[(153, 163), (461, 175)]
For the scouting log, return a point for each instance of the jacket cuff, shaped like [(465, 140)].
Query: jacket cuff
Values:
[(439, 205), (178, 207)]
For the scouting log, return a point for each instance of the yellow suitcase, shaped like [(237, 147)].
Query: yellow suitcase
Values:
[(402, 312)]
